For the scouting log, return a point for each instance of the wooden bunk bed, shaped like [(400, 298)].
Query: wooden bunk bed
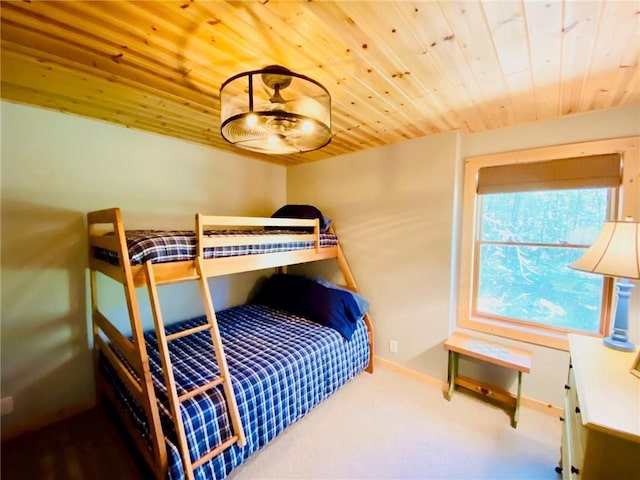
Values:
[(153, 389)]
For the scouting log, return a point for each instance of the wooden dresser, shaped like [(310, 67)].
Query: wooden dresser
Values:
[(601, 431)]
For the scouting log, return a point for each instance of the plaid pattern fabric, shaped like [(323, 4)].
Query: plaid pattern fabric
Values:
[(281, 367), (173, 246)]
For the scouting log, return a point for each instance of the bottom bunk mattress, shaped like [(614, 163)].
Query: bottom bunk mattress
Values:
[(281, 367)]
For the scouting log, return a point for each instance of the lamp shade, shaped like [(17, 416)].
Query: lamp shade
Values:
[(615, 252), (275, 110)]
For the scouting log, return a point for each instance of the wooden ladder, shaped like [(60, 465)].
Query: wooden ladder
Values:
[(174, 399)]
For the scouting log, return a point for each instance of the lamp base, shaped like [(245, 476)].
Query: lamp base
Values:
[(619, 339), (623, 345)]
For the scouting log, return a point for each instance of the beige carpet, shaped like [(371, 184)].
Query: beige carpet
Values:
[(392, 426)]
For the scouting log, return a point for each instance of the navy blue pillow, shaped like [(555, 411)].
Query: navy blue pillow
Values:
[(363, 303), (304, 297), (302, 211)]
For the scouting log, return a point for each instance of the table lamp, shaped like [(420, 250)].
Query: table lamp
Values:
[(616, 253)]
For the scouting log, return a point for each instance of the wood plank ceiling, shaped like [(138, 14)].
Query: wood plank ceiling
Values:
[(395, 70)]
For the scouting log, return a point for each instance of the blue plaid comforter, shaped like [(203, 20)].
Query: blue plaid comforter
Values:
[(174, 246), (281, 367)]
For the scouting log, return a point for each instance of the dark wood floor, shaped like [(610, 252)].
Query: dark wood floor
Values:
[(90, 445)]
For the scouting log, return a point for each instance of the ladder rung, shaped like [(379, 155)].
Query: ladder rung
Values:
[(215, 452), (189, 331), (203, 388)]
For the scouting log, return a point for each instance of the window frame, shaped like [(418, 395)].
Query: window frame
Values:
[(625, 202), (607, 286)]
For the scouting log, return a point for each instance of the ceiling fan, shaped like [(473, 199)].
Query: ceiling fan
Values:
[(289, 113), (276, 78)]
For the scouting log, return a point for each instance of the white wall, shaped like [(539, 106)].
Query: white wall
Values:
[(611, 123), (56, 168), (393, 210), (397, 213)]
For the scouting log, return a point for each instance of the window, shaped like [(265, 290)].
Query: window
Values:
[(525, 242), (529, 215)]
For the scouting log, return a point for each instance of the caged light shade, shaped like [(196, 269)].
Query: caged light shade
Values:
[(276, 111)]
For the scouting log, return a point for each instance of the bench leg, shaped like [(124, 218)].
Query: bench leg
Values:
[(453, 372), (516, 412)]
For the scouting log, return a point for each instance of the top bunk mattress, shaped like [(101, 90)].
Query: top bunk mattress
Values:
[(161, 246)]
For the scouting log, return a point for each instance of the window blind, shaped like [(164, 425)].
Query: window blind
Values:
[(578, 172)]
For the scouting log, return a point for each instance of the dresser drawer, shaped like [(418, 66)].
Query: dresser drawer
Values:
[(572, 452), (565, 452), (578, 433)]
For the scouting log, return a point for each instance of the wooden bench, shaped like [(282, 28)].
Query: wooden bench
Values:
[(509, 357)]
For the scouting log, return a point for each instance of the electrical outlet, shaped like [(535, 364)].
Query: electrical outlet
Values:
[(393, 346), (6, 406)]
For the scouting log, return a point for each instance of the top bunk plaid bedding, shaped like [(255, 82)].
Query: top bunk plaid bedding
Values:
[(174, 246)]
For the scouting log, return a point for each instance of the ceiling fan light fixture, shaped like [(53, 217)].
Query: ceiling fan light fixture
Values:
[(307, 126), (275, 111), (273, 139), (252, 120)]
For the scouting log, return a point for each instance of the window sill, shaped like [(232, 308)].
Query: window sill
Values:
[(527, 334)]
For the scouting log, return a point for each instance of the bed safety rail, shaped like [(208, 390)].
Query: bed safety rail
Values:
[(203, 222)]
